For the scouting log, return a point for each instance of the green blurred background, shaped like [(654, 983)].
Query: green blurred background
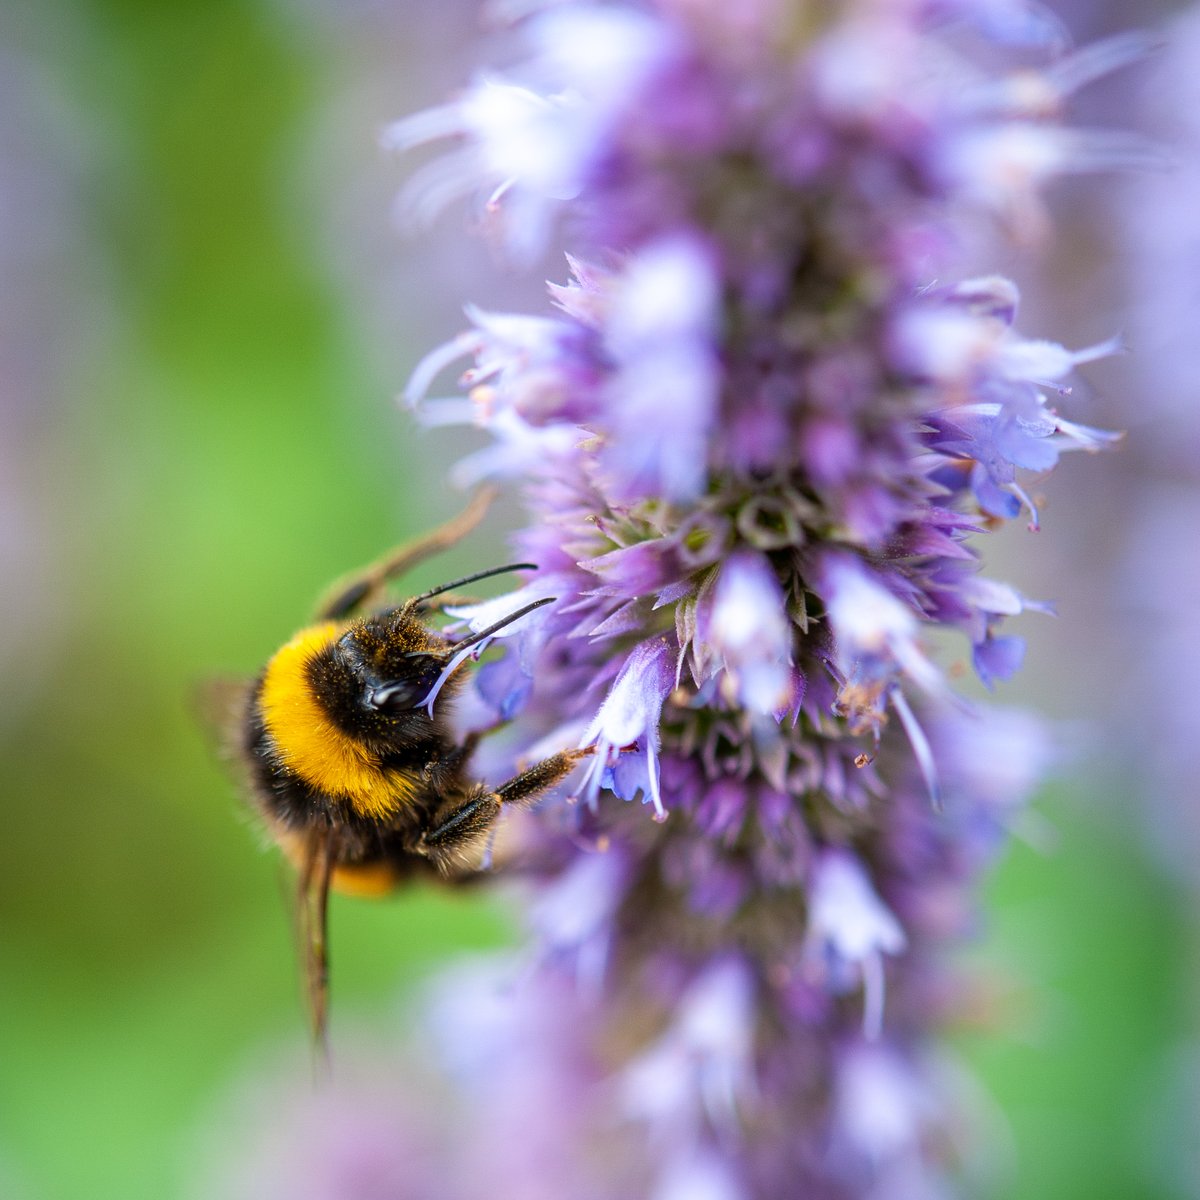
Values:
[(198, 436)]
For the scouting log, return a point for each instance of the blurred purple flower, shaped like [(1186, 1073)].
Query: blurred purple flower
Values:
[(849, 929), (361, 1137), (1158, 587)]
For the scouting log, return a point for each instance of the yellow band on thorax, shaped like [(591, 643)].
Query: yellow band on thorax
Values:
[(311, 745)]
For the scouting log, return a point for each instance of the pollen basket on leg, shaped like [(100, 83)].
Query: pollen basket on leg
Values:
[(308, 743)]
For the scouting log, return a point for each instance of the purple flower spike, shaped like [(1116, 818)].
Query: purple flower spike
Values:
[(761, 427)]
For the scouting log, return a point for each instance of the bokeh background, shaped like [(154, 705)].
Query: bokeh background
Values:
[(206, 305)]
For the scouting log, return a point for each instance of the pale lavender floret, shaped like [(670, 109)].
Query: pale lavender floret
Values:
[(1001, 419), (629, 717), (530, 141), (876, 633), (965, 334), (662, 395), (1045, 92), (519, 448), (701, 1176), (1003, 166), (572, 917), (997, 658), (655, 377), (849, 930), (748, 633), (480, 617), (700, 1071), (885, 1108), (1024, 23), (521, 361), (487, 613)]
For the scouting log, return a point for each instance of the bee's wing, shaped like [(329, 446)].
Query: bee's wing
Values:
[(312, 919), (220, 705), (221, 708)]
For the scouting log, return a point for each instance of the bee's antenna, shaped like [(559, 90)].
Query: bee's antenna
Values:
[(484, 634), (446, 587), (462, 649)]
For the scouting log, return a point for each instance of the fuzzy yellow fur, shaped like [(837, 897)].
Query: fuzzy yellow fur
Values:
[(311, 745)]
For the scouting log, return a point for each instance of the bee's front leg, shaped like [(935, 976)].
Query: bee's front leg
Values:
[(438, 772), (523, 789)]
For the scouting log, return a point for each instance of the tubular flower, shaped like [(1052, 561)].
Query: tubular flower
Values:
[(757, 439)]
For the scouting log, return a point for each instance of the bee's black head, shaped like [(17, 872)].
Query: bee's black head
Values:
[(375, 680)]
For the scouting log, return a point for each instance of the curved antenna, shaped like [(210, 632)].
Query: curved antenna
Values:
[(447, 587), (463, 649), (484, 634)]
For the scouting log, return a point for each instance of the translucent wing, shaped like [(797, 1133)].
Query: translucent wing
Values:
[(219, 705)]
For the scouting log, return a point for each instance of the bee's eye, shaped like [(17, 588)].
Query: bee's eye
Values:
[(397, 695)]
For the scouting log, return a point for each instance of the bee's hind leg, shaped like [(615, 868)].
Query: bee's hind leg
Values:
[(363, 588)]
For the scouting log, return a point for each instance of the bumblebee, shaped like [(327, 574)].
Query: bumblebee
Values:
[(358, 776)]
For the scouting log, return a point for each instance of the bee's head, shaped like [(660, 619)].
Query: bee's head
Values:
[(375, 679)]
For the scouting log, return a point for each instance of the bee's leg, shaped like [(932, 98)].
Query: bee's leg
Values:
[(450, 843), (523, 789), (460, 830), (364, 586), (437, 772)]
